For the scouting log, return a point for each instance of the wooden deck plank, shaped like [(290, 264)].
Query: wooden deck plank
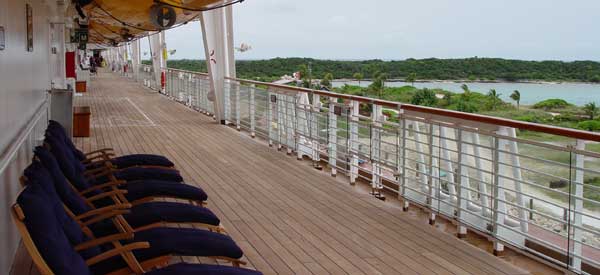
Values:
[(287, 217), (294, 218)]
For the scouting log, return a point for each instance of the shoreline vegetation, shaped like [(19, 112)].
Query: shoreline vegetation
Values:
[(464, 69), (318, 74)]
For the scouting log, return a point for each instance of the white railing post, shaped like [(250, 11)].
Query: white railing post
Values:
[(280, 120), (354, 141), (463, 184), (332, 141), (316, 136), (270, 106), (290, 132), (430, 177), (376, 119), (237, 104), (252, 111), (227, 103), (499, 209), (578, 206), (403, 176)]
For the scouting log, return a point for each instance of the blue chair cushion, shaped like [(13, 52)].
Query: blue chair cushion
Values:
[(190, 269), (141, 159), (47, 234), (141, 189), (141, 173), (66, 162), (153, 212), (137, 160), (176, 241), (58, 130), (64, 190), (38, 175)]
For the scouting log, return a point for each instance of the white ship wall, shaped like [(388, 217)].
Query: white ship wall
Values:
[(24, 80)]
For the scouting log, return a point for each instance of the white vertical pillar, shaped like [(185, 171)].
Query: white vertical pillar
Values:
[(517, 176), (135, 59), (303, 131), (446, 158), (421, 165), (217, 27), (483, 194), (155, 47), (57, 56), (163, 60)]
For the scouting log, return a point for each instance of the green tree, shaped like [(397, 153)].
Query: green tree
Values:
[(411, 78), (465, 88), (378, 85), (303, 70), (358, 77), (494, 99), (326, 81), (591, 110), (516, 96), (424, 97)]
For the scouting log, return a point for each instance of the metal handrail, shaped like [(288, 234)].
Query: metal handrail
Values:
[(572, 133)]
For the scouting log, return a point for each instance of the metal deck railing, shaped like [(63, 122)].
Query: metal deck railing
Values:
[(542, 197)]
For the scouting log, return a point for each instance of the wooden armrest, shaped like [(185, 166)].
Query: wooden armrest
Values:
[(117, 251), (106, 172), (102, 186), (106, 194), (98, 170), (108, 215), (147, 265), (103, 210), (103, 151), (103, 240), (94, 159)]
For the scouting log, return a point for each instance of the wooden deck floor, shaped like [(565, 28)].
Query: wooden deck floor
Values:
[(287, 217)]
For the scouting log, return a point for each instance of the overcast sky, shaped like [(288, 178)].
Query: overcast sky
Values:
[(400, 29)]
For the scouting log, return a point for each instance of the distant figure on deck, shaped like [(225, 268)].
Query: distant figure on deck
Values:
[(93, 65)]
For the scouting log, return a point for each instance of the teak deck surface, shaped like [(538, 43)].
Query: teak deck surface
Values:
[(286, 216)]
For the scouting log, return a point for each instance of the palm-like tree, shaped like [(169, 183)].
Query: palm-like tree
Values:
[(465, 88), (494, 98), (358, 77), (411, 78), (516, 96), (591, 109)]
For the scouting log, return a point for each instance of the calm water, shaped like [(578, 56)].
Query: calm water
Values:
[(578, 94)]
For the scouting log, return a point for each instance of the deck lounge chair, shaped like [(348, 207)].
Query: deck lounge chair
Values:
[(140, 216), (99, 175), (137, 191), (99, 157), (56, 243)]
